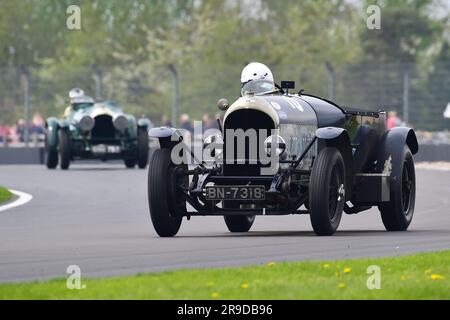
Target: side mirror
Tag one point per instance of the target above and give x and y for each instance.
(223, 104)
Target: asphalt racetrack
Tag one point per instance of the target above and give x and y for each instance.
(96, 216)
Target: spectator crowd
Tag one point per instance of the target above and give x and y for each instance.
(187, 124)
(13, 134)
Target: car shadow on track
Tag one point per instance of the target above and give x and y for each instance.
(100, 169)
(343, 233)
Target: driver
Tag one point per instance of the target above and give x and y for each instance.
(256, 71)
(76, 96)
(76, 93)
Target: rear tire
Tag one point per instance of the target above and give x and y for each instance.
(64, 149)
(327, 191)
(239, 223)
(165, 199)
(130, 163)
(142, 142)
(397, 214)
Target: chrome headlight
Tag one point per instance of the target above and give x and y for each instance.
(275, 142)
(120, 122)
(86, 123)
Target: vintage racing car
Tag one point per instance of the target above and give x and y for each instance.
(96, 130)
(326, 160)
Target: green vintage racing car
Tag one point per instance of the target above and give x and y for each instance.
(96, 130)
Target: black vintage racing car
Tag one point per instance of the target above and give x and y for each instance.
(330, 160)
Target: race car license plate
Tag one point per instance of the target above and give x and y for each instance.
(236, 193)
(103, 148)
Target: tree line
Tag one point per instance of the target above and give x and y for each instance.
(125, 48)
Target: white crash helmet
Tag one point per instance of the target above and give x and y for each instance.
(76, 93)
(256, 71)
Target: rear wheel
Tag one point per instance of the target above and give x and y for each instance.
(397, 214)
(64, 149)
(239, 223)
(166, 199)
(327, 191)
(142, 155)
(130, 163)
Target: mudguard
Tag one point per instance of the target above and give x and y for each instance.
(51, 124)
(365, 144)
(161, 132)
(330, 133)
(144, 123)
(339, 138)
(391, 147)
(132, 129)
(63, 123)
(168, 137)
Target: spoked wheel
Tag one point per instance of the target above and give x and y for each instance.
(407, 184)
(397, 214)
(327, 192)
(166, 199)
(336, 191)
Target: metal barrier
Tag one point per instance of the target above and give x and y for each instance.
(36, 155)
(433, 153)
(13, 155)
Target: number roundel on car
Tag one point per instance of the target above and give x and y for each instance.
(294, 103)
(291, 109)
(276, 105)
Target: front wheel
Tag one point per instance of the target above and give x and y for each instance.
(64, 149)
(142, 148)
(239, 223)
(51, 154)
(327, 191)
(166, 199)
(397, 214)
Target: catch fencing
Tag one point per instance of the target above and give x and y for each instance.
(419, 94)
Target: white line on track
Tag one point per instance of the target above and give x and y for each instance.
(23, 199)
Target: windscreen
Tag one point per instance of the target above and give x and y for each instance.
(258, 87)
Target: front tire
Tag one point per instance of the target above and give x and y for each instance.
(166, 201)
(327, 191)
(142, 142)
(397, 214)
(64, 149)
(239, 223)
(51, 154)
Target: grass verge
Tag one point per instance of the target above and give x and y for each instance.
(5, 195)
(421, 276)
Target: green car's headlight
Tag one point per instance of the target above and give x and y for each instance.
(120, 122)
(86, 123)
